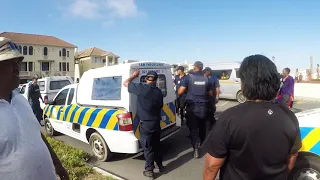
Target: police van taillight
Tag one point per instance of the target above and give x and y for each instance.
(45, 99)
(125, 122)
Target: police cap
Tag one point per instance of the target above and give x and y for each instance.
(152, 76)
(198, 64)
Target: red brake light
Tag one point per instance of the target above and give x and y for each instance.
(125, 122)
(45, 99)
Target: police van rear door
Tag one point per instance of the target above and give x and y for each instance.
(165, 84)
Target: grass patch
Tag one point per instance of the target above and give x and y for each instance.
(74, 161)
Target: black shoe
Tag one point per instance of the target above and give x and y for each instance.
(159, 169)
(148, 174)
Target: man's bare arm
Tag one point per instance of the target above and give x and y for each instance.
(212, 166)
(181, 90)
(292, 160)
(127, 81)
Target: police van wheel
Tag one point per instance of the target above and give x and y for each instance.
(99, 147)
(49, 129)
(306, 167)
(240, 97)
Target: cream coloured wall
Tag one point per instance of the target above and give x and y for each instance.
(53, 57)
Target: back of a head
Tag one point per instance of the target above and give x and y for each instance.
(198, 65)
(259, 78)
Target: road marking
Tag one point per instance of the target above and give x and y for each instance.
(300, 102)
(223, 104)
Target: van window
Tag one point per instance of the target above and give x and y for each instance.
(222, 74)
(54, 85)
(237, 73)
(107, 88)
(71, 94)
(41, 85)
(62, 97)
(161, 83)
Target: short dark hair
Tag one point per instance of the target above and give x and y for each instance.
(34, 78)
(259, 78)
(287, 70)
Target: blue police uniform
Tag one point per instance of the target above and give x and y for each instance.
(180, 101)
(34, 95)
(197, 98)
(212, 101)
(149, 105)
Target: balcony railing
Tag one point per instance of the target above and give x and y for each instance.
(41, 74)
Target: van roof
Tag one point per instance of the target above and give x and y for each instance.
(54, 77)
(71, 86)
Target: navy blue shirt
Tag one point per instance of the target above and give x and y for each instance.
(178, 81)
(149, 101)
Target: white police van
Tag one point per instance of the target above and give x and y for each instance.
(100, 111)
(307, 166)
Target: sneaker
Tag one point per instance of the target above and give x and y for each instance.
(196, 150)
(148, 174)
(159, 169)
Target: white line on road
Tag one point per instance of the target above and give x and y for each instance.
(223, 104)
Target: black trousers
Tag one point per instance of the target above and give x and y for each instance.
(196, 122)
(211, 111)
(150, 142)
(37, 111)
(181, 105)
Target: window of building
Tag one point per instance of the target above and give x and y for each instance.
(64, 52)
(20, 49)
(45, 51)
(71, 95)
(61, 98)
(222, 74)
(60, 53)
(30, 50)
(64, 66)
(25, 50)
(116, 60)
(67, 53)
(59, 84)
(23, 66)
(30, 66)
(107, 88)
(161, 83)
(104, 60)
(45, 66)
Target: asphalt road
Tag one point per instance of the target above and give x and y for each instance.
(177, 153)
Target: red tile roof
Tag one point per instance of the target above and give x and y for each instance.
(23, 38)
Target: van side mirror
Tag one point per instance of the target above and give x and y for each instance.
(51, 102)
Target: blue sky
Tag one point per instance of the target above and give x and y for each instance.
(177, 30)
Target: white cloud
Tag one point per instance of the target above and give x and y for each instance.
(103, 9)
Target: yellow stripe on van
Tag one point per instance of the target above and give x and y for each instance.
(113, 121)
(310, 140)
(99, 118)
(68, 116)
(87, 115)
(77, 115)
(169, 113)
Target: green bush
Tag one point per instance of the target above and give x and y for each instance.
(74, 161)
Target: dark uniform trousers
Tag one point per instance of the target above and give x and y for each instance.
(196, 122)
(180, 105)
(211, 111)
(150, 141)
(37, 111)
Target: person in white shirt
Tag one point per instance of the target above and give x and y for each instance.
(24, 151)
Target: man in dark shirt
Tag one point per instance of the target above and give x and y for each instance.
(199, 90)
(33, 98)
(179, 79)
(256, 140)
(149, 105)
(214, 99)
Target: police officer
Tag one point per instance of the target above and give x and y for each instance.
(214, 100)
(180, 101)
(149, 105)
(33, 98)
(199, 91)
